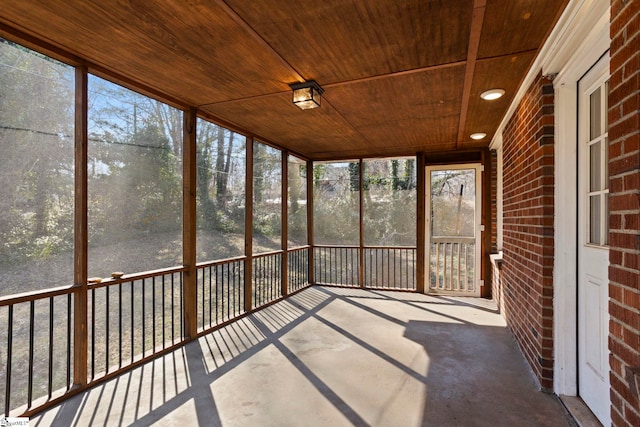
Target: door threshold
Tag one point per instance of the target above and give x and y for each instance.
(580, 411)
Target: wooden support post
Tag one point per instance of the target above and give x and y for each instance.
(81, 238)
(361, 224)
(189, 225)
(310, 234)
(248, 227)
(284, 240)
(421, 250)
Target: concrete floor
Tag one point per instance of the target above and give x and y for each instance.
(333, 357)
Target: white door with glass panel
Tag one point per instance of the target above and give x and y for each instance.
(593, 235)
(453, 230)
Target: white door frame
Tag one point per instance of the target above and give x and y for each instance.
(592, 42)
(477, 226)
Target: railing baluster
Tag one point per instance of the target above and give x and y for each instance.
(107, 329)
(7, 393)
(31, 337)
(413, 269)
(225, 281)
(201, 303)
(132, 323)
(269, 290)
(153, 314)
(68, 342)
(238, 279)
(403, 280)
(261, 280)
(460, 285)
(466, 258)
(228, 298)
(173, 314)
(106, 351)
(50, 378)
(144, 317)
(164, 291)
(93, 333)
(120, 325)
(325, 258)
(333, 262)
(180, 297)
(209, 270)
(218, 310)
(269, 274)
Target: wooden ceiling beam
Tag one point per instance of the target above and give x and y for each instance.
(351, 82)
(472, 55)
(245, 25)
(395, 74)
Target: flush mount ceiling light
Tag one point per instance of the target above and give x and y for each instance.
(478, 135)
(492, 94)
(307, 95)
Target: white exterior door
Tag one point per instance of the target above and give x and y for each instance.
(453, 229)
(593, 234)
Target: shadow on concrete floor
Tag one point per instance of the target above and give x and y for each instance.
(332, 357)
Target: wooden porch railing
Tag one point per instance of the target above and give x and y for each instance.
(384, 267)
(220, 292)
(267, 278)
(134, 318)
(37, 360)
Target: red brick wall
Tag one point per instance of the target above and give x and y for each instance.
(624, 204)
(528, 186)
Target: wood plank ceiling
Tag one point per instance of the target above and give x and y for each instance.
(401, 76)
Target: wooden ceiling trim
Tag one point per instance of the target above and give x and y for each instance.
(39, 45)
(26, 39)
(355, 128)
(472, 55)
(349, 82)
(246, 98)
(396, 74)
(245, 25)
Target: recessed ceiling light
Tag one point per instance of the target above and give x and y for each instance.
(492, 94)
(478, 135)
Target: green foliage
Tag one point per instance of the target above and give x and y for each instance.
(453, 202)
(336, 204)
(354, 177)
(135, 172)
(297, 211)
(36, 172)
(390, 203)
